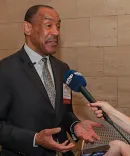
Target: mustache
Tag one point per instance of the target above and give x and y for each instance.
(52, 38)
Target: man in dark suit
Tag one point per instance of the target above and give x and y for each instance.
(35, 105)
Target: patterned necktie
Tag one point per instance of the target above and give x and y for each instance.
(48, 83)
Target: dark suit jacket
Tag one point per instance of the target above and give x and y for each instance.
(25, 107)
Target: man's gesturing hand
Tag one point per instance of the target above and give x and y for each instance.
(44, 138)
(84, 130)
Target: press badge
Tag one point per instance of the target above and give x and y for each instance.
(66, 94)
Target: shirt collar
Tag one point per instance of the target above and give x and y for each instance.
(34, 56)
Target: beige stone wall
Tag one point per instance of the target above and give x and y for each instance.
(95, 40)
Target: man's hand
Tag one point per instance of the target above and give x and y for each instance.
(84, 130)
(44, 138)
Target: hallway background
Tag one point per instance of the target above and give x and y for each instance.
(95, 40)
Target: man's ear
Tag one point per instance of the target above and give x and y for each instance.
(27, 28)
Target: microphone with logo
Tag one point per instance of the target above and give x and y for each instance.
(76, 82)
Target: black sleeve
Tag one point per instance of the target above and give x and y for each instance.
(69, 122)
(69, 117)
(11, 137)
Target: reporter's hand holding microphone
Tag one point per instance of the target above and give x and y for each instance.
(106, 107)
(117, 147)
(117, 117)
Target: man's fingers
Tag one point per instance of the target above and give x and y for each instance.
(92, 138)
(73, 145)
(87, 138)
(62, 147)
(95, 136)
(95, 124)
(52, 131)
(65, 143)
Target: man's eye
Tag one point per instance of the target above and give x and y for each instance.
(48, 25)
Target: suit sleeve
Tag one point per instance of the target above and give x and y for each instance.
(69, 118)
(11, 137)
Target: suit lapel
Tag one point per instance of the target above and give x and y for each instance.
(57, 80)
(31, 72)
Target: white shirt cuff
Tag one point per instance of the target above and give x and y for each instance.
(34, 145)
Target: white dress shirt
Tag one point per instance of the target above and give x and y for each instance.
(38, 63)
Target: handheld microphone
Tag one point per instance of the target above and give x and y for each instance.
(76, 82)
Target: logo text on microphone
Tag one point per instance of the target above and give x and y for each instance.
(69, 79)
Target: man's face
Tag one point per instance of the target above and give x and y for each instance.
(45, 31)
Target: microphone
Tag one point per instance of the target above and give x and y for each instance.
(76, 82)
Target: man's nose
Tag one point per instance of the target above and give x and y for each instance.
(55, 31)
